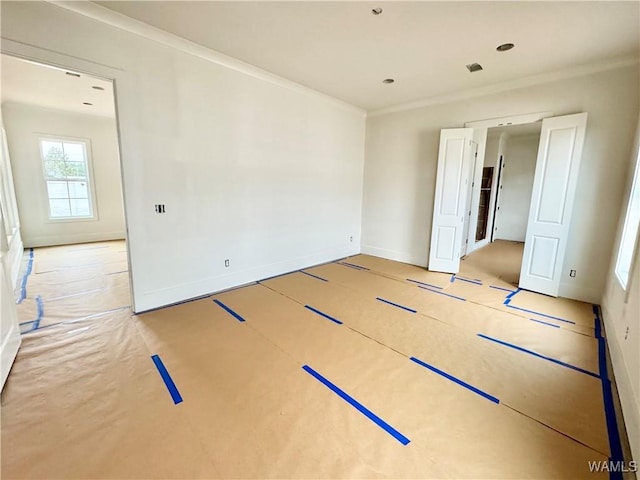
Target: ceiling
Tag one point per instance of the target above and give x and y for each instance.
(35, 84)
(343, 50)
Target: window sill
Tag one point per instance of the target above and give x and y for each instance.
(72, 219)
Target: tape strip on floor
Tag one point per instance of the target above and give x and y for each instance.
(168, 381)
(615, 444)
(535, 354)
(358, 406)
(228, 310)
(455, 380)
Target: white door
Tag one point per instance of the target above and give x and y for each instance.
(554, 187)
(464, 249)
(479, 137)
(449, 207)
(9, 330)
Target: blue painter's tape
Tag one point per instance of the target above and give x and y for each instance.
(396, 305)
(443, 293)
(35, 324)
(596, 319)
(314, 276)
(228, 310)
(23, 285)
(425, 284)
(540, 314)
(502, 288)
(475, 282)
(535, 354)
(545, 323)
(358, 406)
(615, 445)
(456, 380)
(453, 278)
(510, 296)
(347, 264)
(168, 381)
(328, 317)
(40, 306)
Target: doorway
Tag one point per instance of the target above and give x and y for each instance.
(504, 196)
(63, 146)
(546, 229)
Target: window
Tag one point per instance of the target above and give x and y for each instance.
(630, 230)
(66, 172)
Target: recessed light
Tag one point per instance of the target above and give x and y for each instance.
(71, 74)
(376, 11)
(505, 46)
(388, 80)
(95, 87)
(474, 67)
(87, 103)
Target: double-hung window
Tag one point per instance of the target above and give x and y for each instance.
(629, 230)
(66, 172)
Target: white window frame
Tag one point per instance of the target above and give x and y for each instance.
(90, 184)
(628, 240)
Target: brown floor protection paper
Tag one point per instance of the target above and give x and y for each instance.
(521, 381)
(84, 399)
(73, 282)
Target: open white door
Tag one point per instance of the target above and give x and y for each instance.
(449, 207)
(10, 337)
(554, 187)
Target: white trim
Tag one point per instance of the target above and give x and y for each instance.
(203, 287)
(86, 146)
(628, 398)
(118, 20)
(52, 240)
(626, 283)
(511, 85)
(510, 120)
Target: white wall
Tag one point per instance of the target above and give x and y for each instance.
(402, 151)
(517, 184)
(253, 169)
(621, 312)
(24, 125)
(491, 150)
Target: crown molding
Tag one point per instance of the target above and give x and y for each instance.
(549, 77)
(136, 27)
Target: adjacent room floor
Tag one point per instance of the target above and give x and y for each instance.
(360, 368)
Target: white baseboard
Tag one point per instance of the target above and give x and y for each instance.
(403, 257)
(630, 403)
(51, 240)
(179, 293)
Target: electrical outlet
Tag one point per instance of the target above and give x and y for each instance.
(226, 263)
(572, 273)
(626, 333)
(159, 207)
(351, 239)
